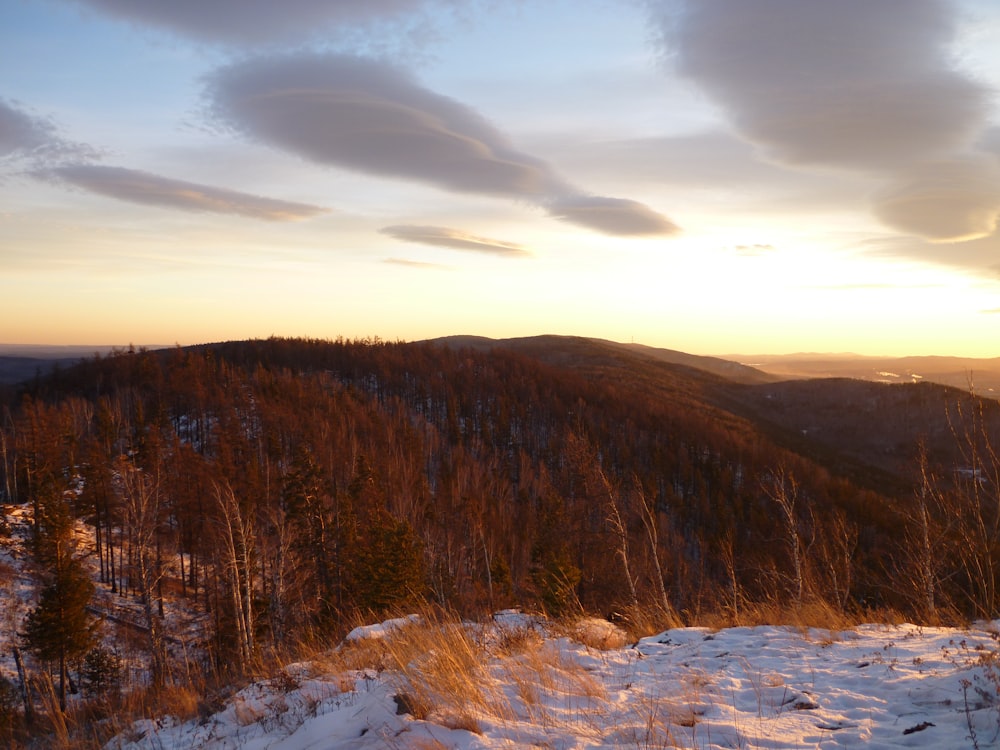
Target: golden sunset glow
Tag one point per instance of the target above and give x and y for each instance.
(413, 169)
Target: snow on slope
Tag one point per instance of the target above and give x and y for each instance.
(760, 687)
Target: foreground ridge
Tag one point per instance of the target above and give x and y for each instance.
(552, 686)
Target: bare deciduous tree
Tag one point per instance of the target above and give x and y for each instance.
(649, 522)
(236, 529)
(783, 489)
(976, 506)
(140, 493)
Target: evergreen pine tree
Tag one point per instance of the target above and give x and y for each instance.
(311, 515)
(101, 672)
(60, 629)
(553, 572)
(389, 565)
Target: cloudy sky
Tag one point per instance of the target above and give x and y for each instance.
(715, 176)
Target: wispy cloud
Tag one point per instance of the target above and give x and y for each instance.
(36, 145)
(369, 116)
(22, 133)
(454, 239)
(414, 264)
(136, 186)
(35, 140)
(854, 85)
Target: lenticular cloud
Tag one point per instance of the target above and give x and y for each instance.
(856, 85)
(950, 200)
(136, 186)
(369, 116)
(614, 216)
(372, 117)
(454, 239)
(851, 83)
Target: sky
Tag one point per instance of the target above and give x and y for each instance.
(713, 176)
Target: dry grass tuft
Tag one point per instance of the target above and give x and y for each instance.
(597, 633)
(547, 668)
(183, 702)
(512, 640)
(438, 670)
(360, 655)
(641, 622)
(89, 724)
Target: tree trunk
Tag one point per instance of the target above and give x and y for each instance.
(22, 676)
(618, 526)
(783, 490)
(62, 681)
(237, 535)
(652, 534)
(142, 512)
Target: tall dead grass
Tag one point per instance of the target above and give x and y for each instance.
(89, 724)
(450, 672)
(438, 668)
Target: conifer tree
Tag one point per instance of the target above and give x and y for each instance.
(388, 566)
(553, 572)
(309, 514)
(60, 629)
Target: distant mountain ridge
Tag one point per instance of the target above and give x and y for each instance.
(981, 375)
(21, 362)
(966, 373)
(560, 353)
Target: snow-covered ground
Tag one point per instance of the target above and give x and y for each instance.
(123, 631)
(874, 686)
(762, 687)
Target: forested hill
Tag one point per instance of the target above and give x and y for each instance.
(870, 432)
(287, 485)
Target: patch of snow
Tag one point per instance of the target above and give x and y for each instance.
(381, 630)
(750, 687)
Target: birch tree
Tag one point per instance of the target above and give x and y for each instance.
(236, 532)
(140, 493)
(781, 487)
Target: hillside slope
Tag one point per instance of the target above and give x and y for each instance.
(276, 492)
(869, 432)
